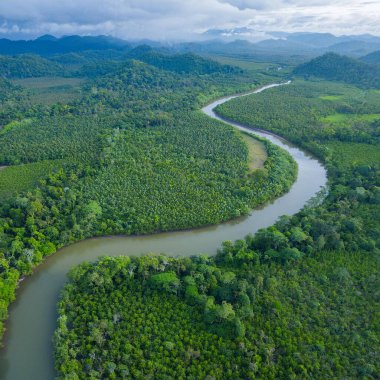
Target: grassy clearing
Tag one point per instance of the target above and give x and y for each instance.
(258, 68)
(340, 118)
(257, 153)
(242, 63)
(331, 97)
(52, 90)
(14, 179)
(48, 82)
(15, 124)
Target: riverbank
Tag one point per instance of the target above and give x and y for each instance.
(33, 316)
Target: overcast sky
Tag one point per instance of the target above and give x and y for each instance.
(184, 19)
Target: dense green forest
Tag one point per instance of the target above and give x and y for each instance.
(240, 315)
(95, 63)
(335, 67)
(26, 66)
(297, 300)
(49, 45)
(130, 154)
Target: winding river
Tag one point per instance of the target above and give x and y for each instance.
(32, 318)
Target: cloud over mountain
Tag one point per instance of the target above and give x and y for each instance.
(176, 19)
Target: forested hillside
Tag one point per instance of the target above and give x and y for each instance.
(335, 67)
(180, 63)
(26, 66)
(372, 58)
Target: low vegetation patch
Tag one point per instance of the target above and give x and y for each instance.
(257, 154)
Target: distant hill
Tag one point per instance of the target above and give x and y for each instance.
(299, 43)
(284, 46)
(287, 48)
(335, 67)
(88, 56)
(245, 50)
(180, 63)
(355, 48)
(28, 66)
(372, 58)
(49, 45)
(96, 63)
(316, 40)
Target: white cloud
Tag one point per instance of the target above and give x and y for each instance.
(178, 19)
(253, 4)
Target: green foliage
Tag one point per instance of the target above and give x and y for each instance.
(298, 300)
(181, 63)
(138, 328)
(273, 320)
(27, 66)
(50, 138)
(350, 152)
(357, 154)
(13, 102)
(372, 58)
(167, 282)
(302, 112)
(148, 194)
(17, 179)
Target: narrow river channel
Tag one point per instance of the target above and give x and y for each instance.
(28, 352)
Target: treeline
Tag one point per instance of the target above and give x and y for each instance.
(95, 63)
(180, 63)
(28, 66)
(335, 67)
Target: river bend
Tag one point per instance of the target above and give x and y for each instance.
(32, 317)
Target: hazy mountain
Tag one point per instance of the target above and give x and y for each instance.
(245, 50)
(49, 45)
(284, 46)
(238, 42)
(315, 40)
(242, 33)
(372, 58)
(355, 48)
(299, 43)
